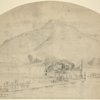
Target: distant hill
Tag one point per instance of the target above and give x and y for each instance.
(54, 38)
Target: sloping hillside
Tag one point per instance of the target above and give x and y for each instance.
(54, 38)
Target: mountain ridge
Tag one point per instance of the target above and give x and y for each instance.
(53, 35)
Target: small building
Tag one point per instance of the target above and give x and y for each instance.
(63, 69)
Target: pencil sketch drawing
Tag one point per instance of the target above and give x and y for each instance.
(50, 50)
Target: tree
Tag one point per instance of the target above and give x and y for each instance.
(30, 57)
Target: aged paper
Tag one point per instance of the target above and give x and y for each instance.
(50, 50)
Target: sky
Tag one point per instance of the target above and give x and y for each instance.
(6, 5)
